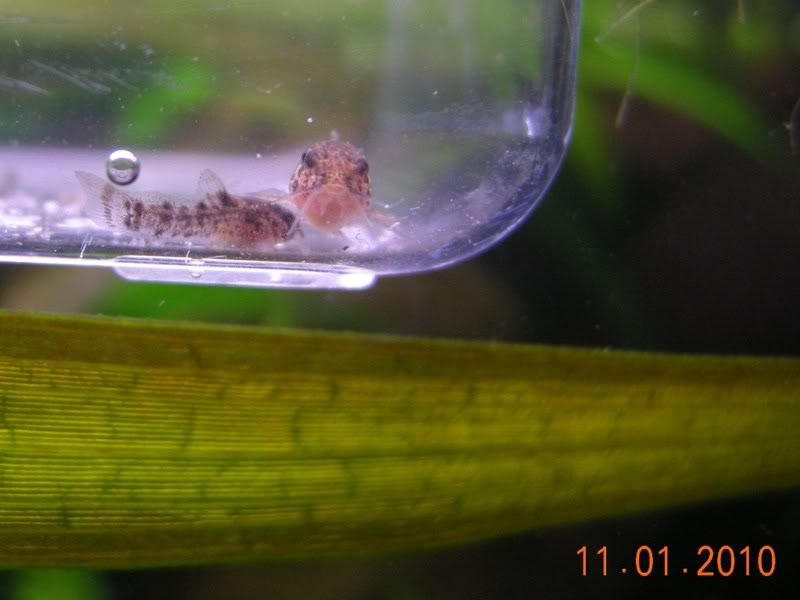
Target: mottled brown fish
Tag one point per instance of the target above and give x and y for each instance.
(217, 215)
(331, 185)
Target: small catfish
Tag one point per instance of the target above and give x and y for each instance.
(216, 215)
(331, 185)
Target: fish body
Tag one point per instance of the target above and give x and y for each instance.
(329, 189)
(217, 215)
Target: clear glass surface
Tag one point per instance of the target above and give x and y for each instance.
(434, 128)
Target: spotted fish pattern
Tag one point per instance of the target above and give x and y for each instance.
(239, 221)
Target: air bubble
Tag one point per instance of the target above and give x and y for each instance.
(122, 167)
(196, 267)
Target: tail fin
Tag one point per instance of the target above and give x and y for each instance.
(105, 204)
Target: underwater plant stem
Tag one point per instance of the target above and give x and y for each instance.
(622, 111)
(635, 9)
(126, 443)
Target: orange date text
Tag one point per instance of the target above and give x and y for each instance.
(709, 561)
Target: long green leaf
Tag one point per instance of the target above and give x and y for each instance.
(126, 443)
(688, 90)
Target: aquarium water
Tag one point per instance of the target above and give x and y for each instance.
(288, 144)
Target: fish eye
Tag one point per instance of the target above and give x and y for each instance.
(362, 166)
(308, 159)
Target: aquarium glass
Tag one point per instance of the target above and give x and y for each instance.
(290, 144)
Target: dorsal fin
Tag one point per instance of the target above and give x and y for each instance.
(212, 190)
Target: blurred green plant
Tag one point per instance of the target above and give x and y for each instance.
(55, 584)
(153, 114)
(667, 56)
(198, 303)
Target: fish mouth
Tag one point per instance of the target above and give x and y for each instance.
(332, 192)
(330, 206)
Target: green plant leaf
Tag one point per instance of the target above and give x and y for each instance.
(126, 443)
(686, 89)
